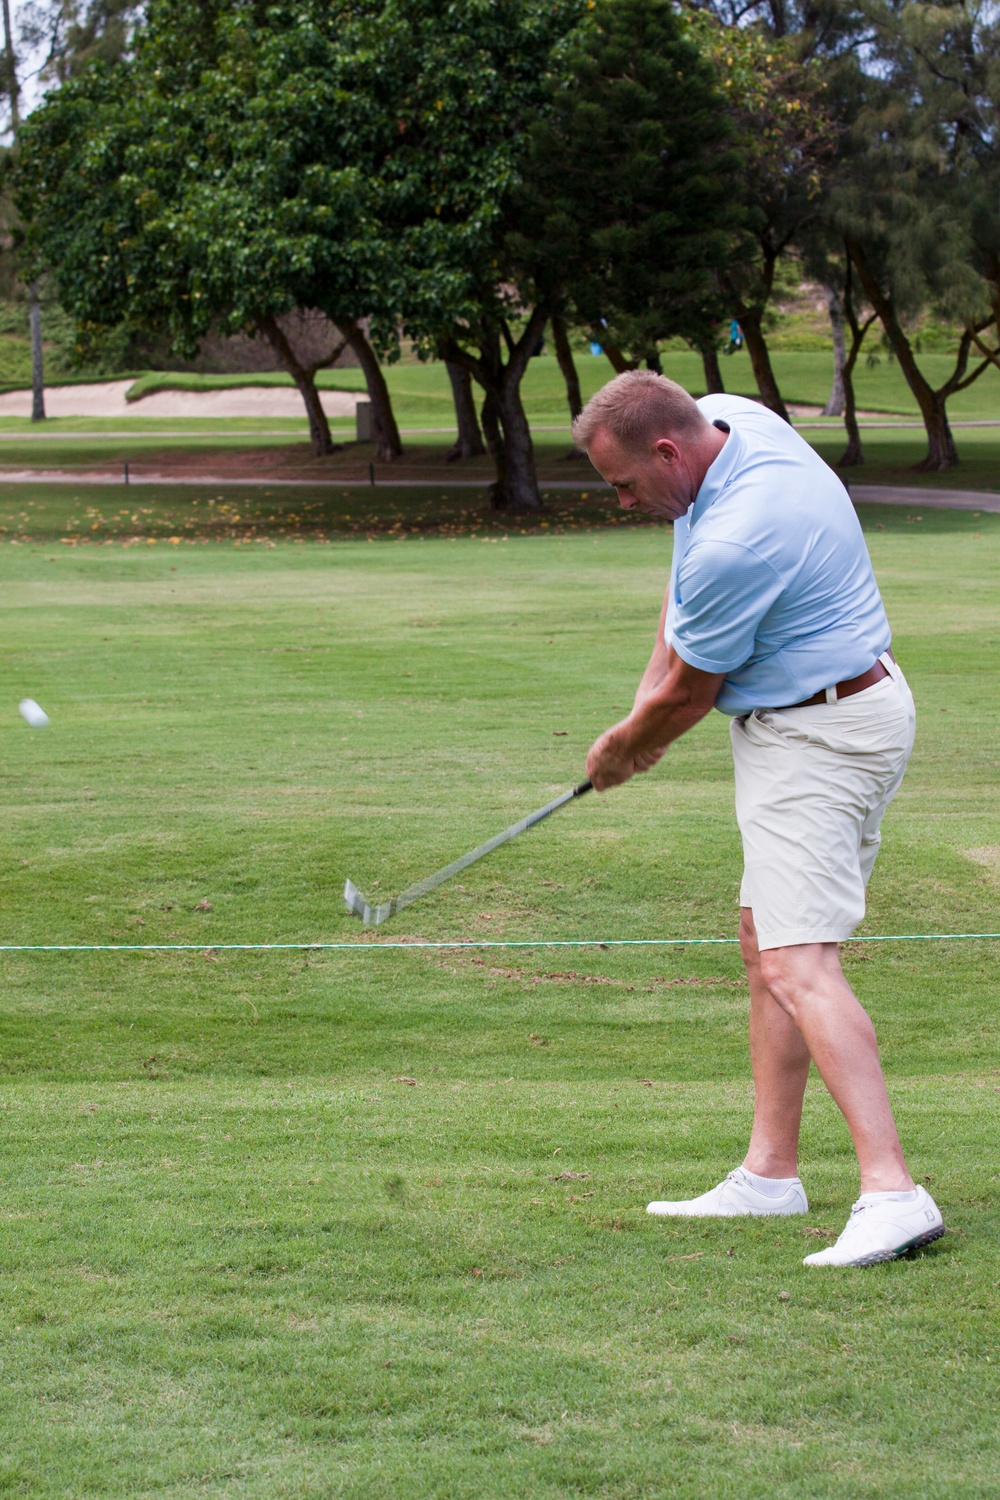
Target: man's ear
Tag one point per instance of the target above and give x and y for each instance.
(666, 449)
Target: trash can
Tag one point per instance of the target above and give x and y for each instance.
(363, 418)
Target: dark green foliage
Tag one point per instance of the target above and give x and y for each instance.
(632, 187)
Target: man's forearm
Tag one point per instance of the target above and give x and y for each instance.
(672, 698)
(659, 663)
(657, 719)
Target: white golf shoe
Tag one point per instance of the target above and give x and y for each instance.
(735, 1198)
(883, 1226)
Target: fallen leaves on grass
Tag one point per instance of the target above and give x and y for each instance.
(573, 976)
(572, 1177)
(401, 1078)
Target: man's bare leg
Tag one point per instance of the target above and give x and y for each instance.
(780, 1060)
(808, 984)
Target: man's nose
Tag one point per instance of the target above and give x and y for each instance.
(625, 500)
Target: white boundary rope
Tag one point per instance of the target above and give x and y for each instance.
(900, 937)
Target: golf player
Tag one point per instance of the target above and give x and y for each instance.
(773, 616)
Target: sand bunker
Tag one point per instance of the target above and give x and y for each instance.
(107, 399)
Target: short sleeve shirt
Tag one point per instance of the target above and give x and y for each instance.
(771, 582)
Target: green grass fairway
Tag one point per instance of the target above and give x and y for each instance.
(371, 1223)
(422, 392)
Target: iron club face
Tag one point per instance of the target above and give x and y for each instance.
(371, 916)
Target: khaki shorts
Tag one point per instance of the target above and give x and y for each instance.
(812, 785)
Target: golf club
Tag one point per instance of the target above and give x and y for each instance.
(374, 916)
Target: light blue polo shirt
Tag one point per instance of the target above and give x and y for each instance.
(771, 582)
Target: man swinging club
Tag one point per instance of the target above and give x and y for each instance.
(773, 616)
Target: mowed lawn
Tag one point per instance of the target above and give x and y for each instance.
(371, 1223)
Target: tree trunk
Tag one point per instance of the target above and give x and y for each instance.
(388, 444)
(470, 440)
(714, 383)
(504, 420)
(320, 437)
(10, 69)
(853, 454)
(494, 443)
(835, 402)
(760, 362)
(564, 354)
(570, 374)
(519, 489)
(941, 450)
(37, 358)
(618, 361)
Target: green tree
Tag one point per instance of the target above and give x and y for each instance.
(199, 184)
(775, 101)
(633, 185)
(920, 211)
(447, 97)
(69, 34)
(613, 190)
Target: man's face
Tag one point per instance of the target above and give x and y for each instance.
(659, 481)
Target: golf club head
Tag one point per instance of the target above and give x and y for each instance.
(356, 903)
(371, 916)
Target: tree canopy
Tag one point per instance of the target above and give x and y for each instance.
(463, 175)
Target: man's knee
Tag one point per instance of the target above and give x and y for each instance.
(778, 973)
(794, 975)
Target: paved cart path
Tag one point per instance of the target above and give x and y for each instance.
(863, 494)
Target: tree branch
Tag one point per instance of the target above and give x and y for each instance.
(955, 381)
(331, 358)
(962, 384)
(992, 355)
(450, 349)
(522, 351)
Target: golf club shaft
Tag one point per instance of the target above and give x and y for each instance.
(429, 882)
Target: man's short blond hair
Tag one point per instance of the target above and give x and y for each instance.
(637, 408)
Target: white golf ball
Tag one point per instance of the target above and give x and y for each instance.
(36, 717)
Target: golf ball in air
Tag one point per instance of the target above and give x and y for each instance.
(36, 717)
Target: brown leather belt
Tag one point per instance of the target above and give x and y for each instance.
(850, 687)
